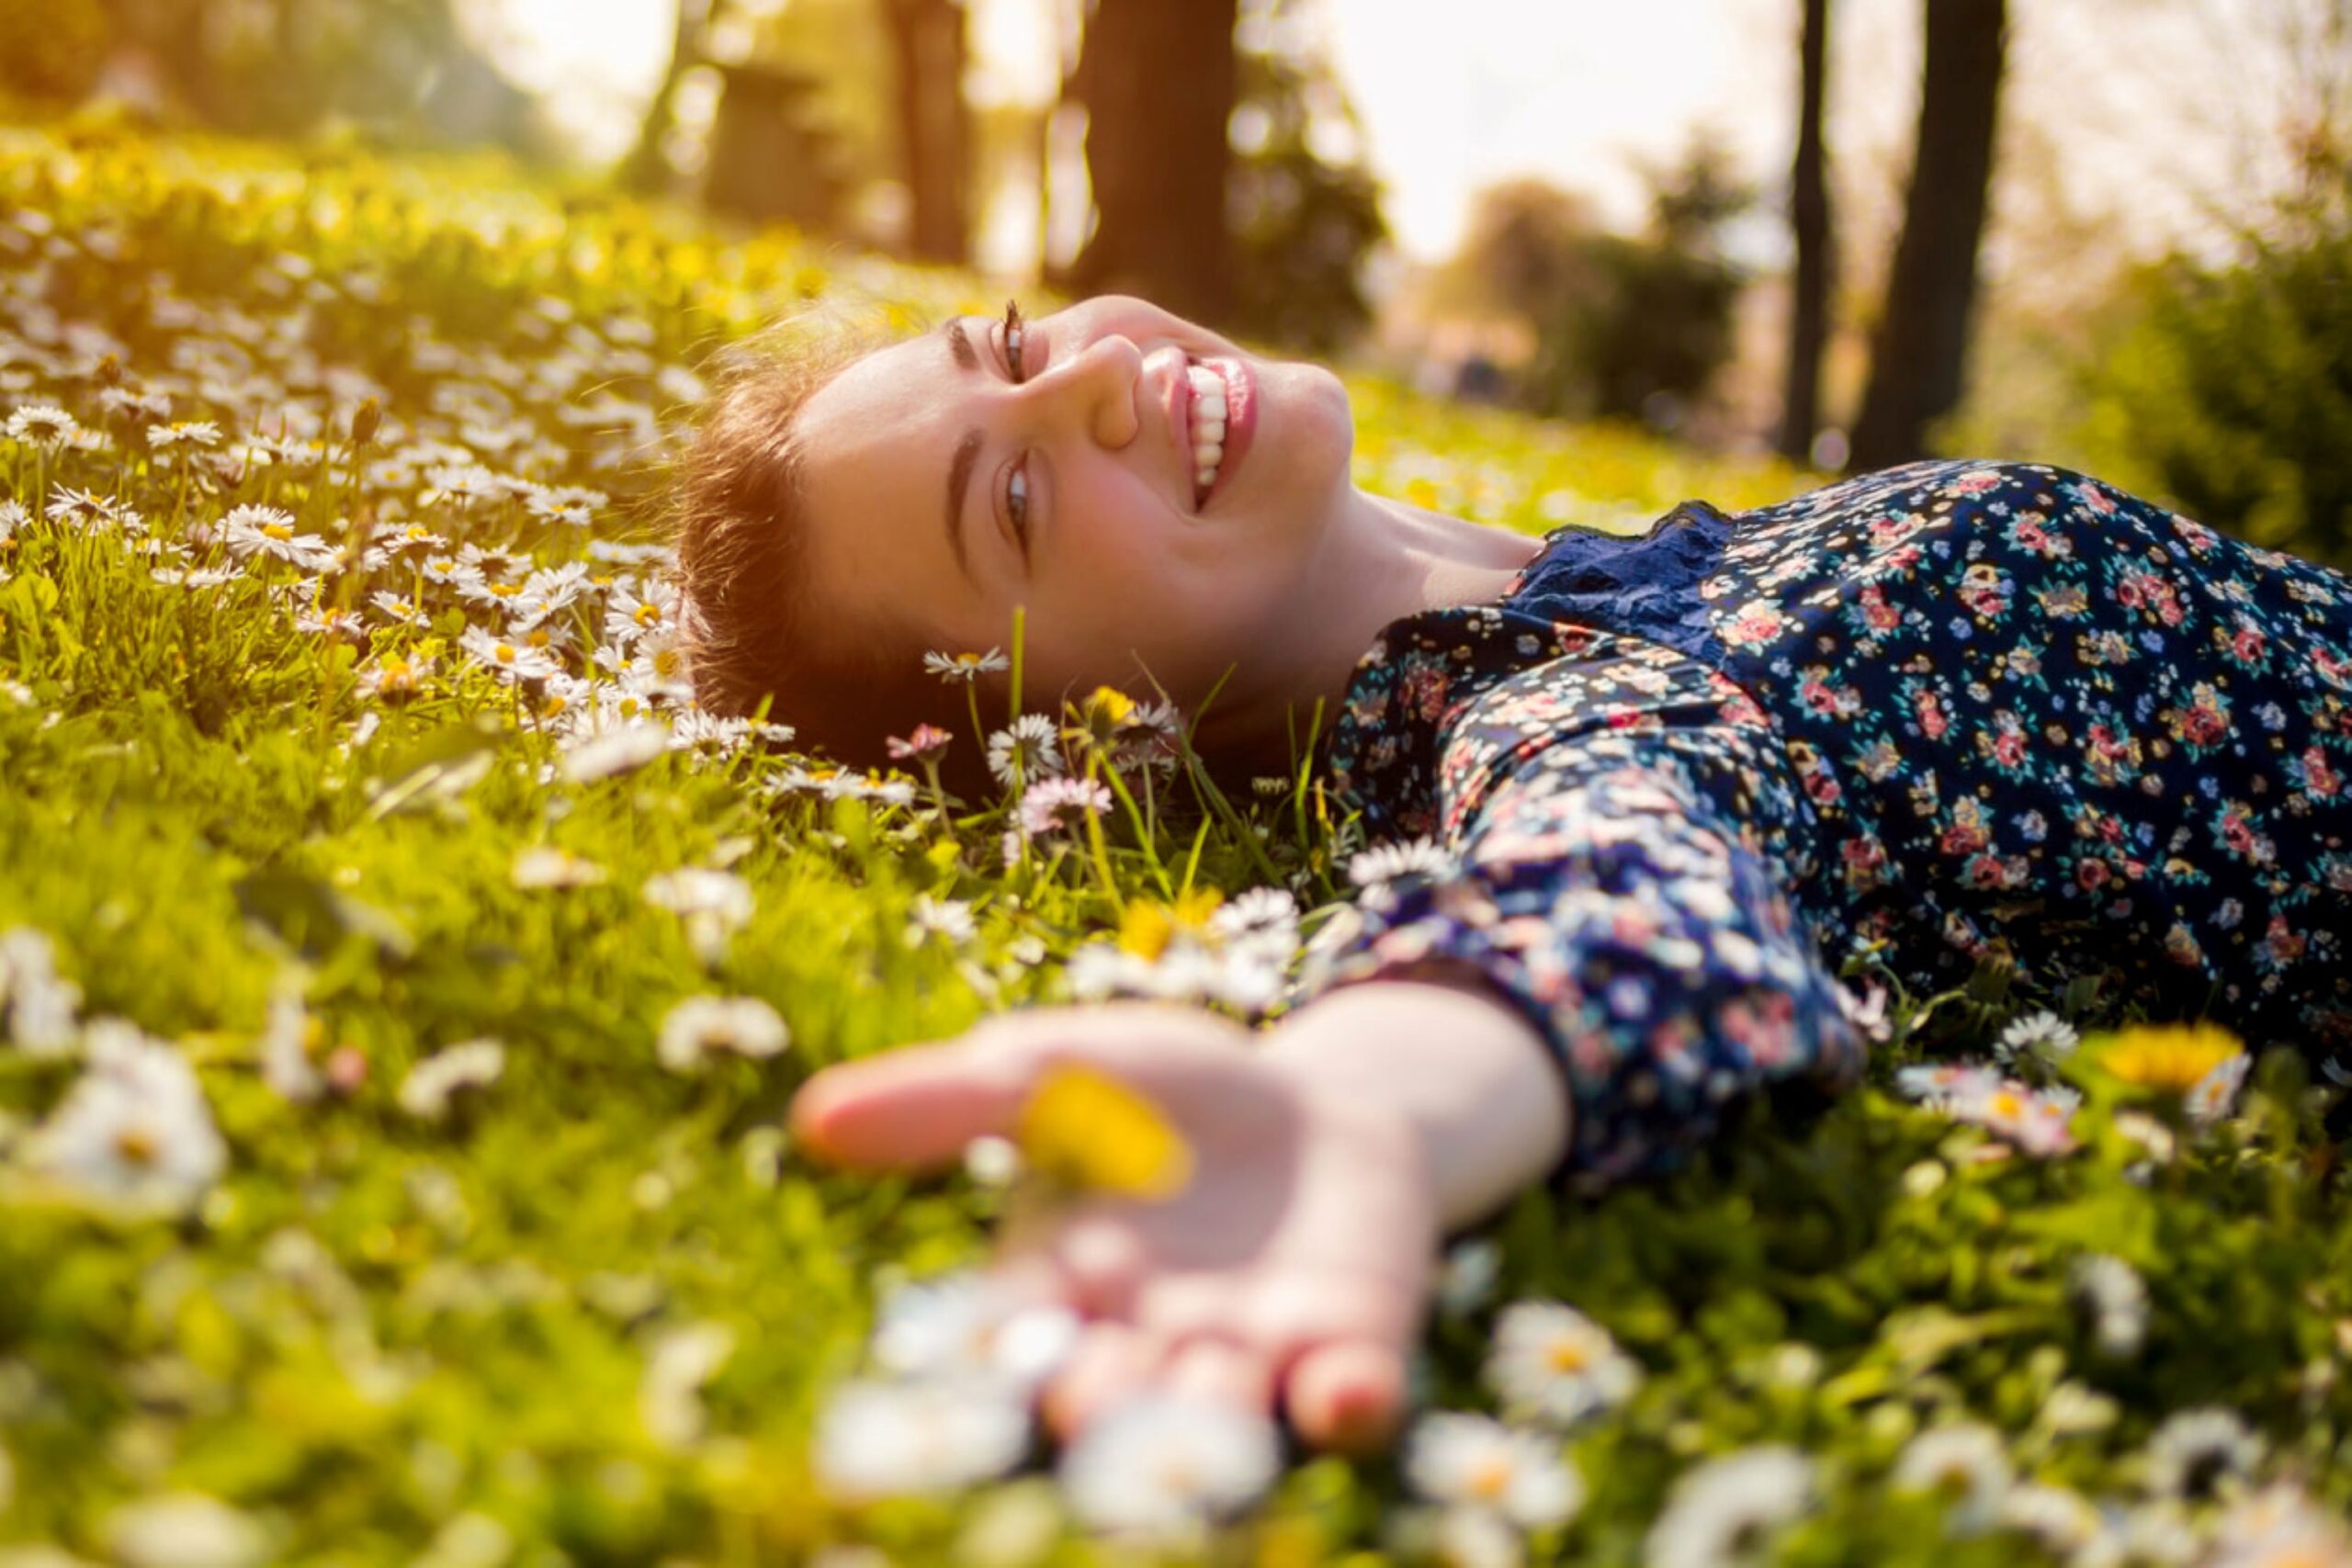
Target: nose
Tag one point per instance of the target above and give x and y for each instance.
(1096, 387)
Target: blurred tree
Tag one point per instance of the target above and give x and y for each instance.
(401, 69)
(1648, 334)
(2232, 393)
(1157, 79)
(1525, 248)
(2230, 388)
(1809, 218)
(934, 128)
(647, 169)
(1918, 355)
(52, 52)
(1624, 327)
(1303, 207)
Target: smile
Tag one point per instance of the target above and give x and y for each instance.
(1222, 414)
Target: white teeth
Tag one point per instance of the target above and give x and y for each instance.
(1208, 424)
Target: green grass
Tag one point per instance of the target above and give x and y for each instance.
(374, 1324)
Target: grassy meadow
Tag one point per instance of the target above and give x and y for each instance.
(402, 985)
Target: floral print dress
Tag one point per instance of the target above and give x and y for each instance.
(1661, 790)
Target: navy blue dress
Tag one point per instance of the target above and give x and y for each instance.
(1669, 785)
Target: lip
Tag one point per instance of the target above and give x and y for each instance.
(1240, 421)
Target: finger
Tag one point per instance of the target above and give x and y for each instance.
(917, 1106)
(1221, 1372)
(1113, 1362)
(1345, 1394)
(1102, 1263)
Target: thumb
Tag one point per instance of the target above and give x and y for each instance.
(916, 1106)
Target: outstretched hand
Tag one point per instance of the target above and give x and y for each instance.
(1288, 1275)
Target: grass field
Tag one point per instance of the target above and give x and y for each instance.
(365, 1196)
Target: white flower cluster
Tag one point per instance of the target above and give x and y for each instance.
(1239, 956)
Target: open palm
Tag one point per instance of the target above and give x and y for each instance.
(1289, 1272)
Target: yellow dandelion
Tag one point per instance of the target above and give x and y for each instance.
(1145, 928)
(1084, 1129)
(2172, 1057)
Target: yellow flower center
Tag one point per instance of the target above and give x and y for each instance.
(278, 530)
(1490, 1480)
(647, 615)
(506, 654)
(1567, 1356)
(138, 1146)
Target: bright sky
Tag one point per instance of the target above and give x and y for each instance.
(1458, 94)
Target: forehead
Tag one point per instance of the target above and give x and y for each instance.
(873, 448)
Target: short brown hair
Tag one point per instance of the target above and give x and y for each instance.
(753, 634)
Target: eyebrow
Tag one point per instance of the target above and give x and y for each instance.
(968, 453)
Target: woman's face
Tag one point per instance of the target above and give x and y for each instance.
(945, 485)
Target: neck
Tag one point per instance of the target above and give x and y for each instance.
(1384, 560)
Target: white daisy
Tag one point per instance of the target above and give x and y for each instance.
(715, 905)
(2197, 1452)
(43, 425)
(195, 433)
(1721, 1508)
(135, 1129)
(2065, 1522)
(1550, 1362)
(41, 1005)
(288, 1040)
(546, 866)
(395, 678)
(1476, 1461)
(966, 667)
(1454, 1536)
(2114, 1298)
(699, 1025)
(611, 752)
(1057, 803)
(881, 1439)
(435, 1082)
(652, 607)
(1163, 1468)
(947, 919)
(966, 1324)
(508, 660)
(669, 1397)
(184, 1529)
(267, 531)
(2044, 1037)
(1029, 748)
(1966, 1463)
(1386, 862)
(2210, 1097)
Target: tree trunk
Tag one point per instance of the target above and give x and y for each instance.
(646, 170)
(1816, 256)
(934, 128)
(1157, 79)
(1920, 349)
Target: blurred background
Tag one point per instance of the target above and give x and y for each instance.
(2113, 233)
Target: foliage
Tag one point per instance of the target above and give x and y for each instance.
(1625, 327)
(577, 1299)
(52, 51)
(2230, 388)
(1303, 222)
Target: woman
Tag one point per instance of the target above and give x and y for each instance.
(1937, 713)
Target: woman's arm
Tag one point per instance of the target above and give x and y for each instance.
(1624, 893)
(1466, 1068)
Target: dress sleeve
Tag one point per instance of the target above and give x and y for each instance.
(1625, 890)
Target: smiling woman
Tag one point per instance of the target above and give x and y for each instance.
(1162, 504)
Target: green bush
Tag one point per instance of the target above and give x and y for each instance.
(2231, 391)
